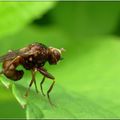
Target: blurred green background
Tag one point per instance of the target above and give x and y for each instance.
(88, 79)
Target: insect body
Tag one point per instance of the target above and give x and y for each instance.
(33, 57)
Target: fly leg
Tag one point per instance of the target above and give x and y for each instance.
(35, 85)
(49, 90)
(48, 75)
(31, 82)
(41, 83)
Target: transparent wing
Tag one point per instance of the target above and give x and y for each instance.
(9, 55)
(13, 54)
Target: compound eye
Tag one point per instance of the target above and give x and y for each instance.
(57, 54)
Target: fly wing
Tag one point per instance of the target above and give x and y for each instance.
(9, 55)
(24, 52)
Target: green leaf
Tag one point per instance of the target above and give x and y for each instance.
(5, 83)
(95, 73)
(33, 111)
(20, 98)
(16, 15)
(67, 105)
(87, 80)
(86, 76)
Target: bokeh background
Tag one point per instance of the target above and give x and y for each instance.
(88, 79)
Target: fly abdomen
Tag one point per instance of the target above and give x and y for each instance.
(9, 70)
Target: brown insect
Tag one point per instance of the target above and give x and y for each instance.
(33, 57)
